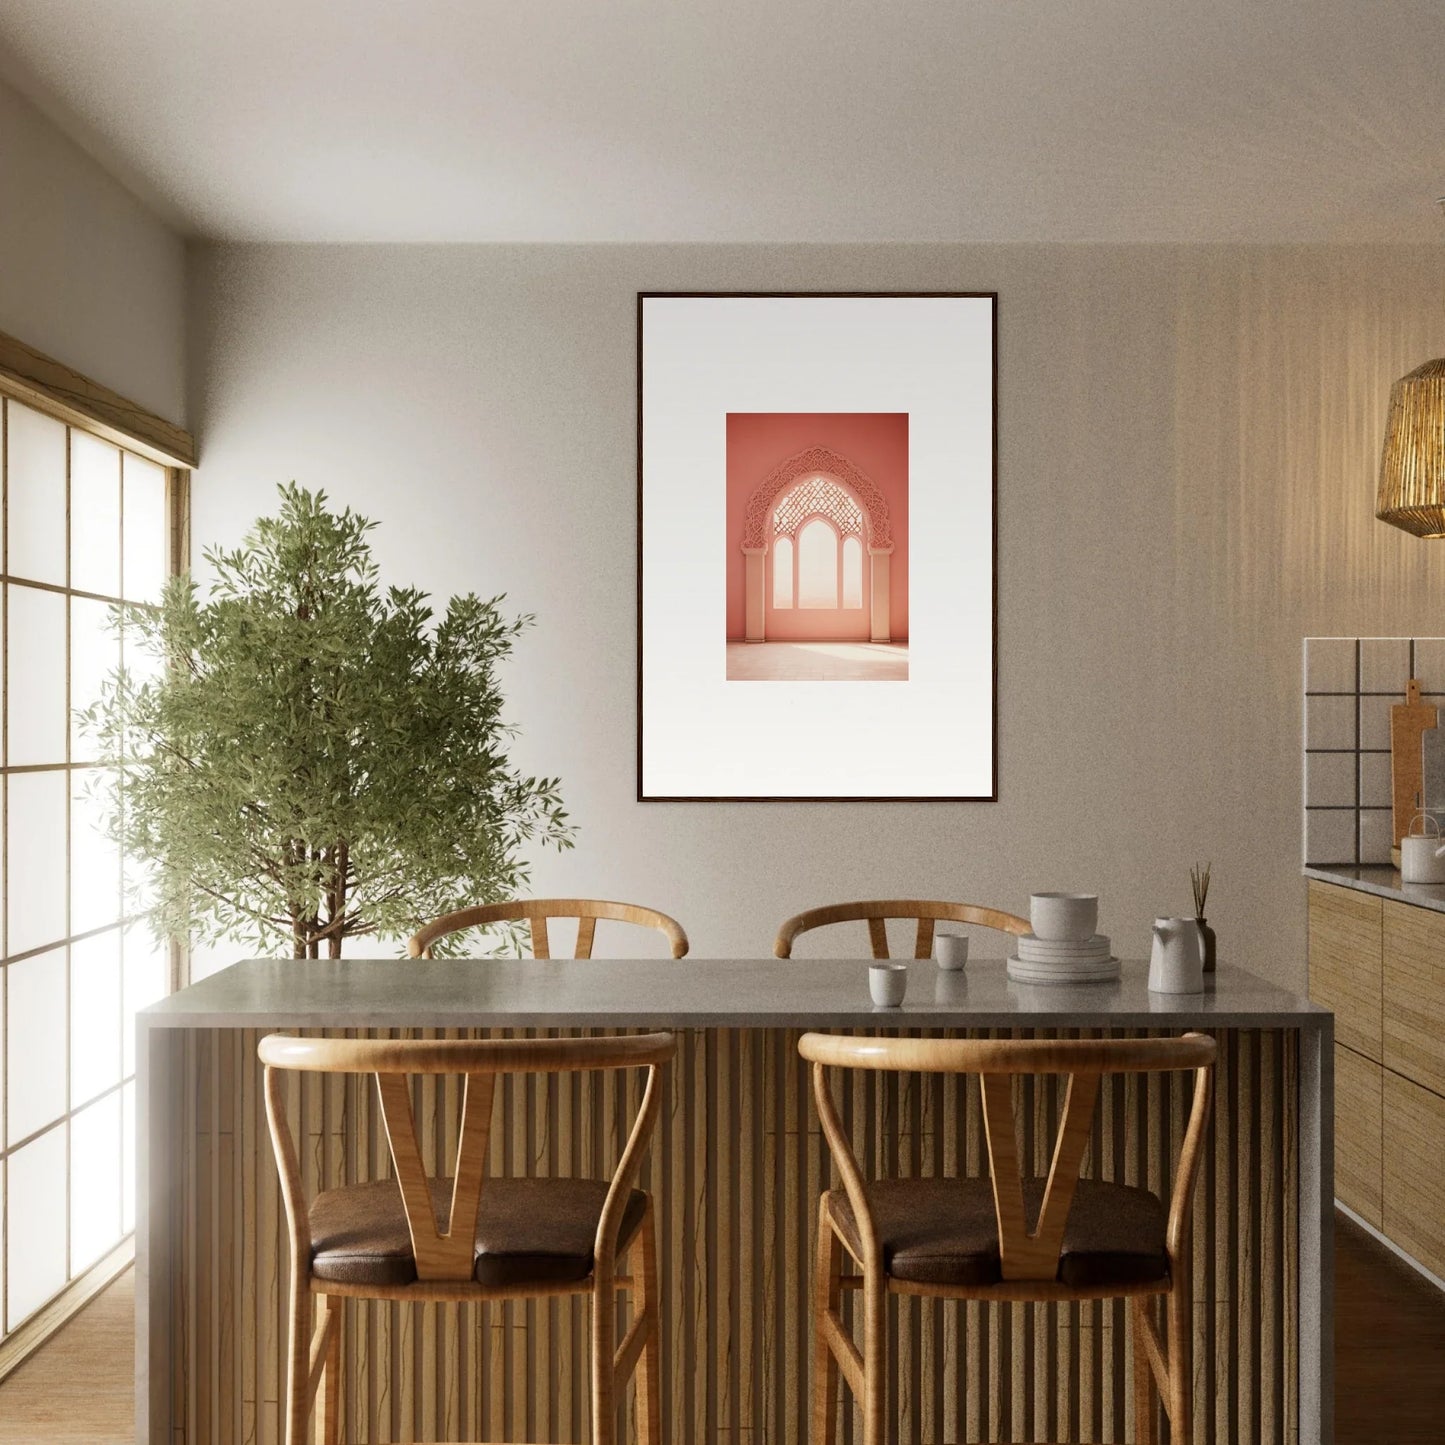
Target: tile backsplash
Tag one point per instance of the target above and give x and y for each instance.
(1350, 685)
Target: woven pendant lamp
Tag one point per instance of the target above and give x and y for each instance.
(1412, 469)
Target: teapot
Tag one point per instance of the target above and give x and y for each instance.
(1422, 854)
(1176, 964)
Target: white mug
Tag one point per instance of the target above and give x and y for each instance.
(888, 982)
(950, 950)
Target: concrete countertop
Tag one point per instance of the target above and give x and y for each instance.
(1381, 880)
(698, 993)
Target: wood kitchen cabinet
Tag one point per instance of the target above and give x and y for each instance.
(1379, 964)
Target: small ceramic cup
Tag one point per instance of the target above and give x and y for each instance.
(888, 982)
(950, 950)
(1064, 916)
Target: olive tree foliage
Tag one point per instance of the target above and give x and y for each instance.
(305, 757)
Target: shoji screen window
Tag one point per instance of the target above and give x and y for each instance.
(86, 524)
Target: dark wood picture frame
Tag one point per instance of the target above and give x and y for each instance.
(992, 795)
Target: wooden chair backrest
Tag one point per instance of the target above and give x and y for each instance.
(536, 912)
(445, 1251)
(877, 912)
(1026, 1252)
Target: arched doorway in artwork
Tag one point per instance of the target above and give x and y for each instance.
(817, 543)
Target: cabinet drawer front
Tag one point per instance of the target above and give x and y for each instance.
(1414, 1004)
(1345, 963)
(1415, 1171)
(1359, 1126)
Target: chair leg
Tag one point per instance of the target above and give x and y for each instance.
(648, 1303)
(298, 1363)
(827, 1297)
(875, 1347)
(1179, 1308)
(604, 1346)
(329, 1397)
(1146, 1417)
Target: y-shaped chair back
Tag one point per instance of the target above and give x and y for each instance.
(536, 912)
(877, 912)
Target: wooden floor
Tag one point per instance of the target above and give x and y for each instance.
(1389, 1361)
(79, 1389)
(1389, 1347)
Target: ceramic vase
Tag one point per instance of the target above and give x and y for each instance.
(1207, 933)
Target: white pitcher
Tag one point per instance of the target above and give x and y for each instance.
(1176, 964)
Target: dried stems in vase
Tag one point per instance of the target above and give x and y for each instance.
(1199, 881)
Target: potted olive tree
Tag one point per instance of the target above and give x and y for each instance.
(309, 757)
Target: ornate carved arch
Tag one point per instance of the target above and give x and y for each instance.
(826, 461)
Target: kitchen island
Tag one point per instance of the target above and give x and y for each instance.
(736, 1165)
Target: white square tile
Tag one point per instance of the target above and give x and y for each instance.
(1330, 780)
(1330, 836)
(1375, 790)
(1384, 664)
(1430, 663)
(1375, 721)
(1329, 664)
(1377, 835)
(1329, 722)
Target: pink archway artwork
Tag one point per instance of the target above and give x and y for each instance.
(820, 464)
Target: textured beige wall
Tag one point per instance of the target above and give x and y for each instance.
(1188, 438)
(87, 273)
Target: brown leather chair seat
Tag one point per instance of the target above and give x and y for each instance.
(529, 1231)
(945, 1232)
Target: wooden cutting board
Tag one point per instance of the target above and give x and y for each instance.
(1409, 721)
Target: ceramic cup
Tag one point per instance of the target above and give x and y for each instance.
(1064, 916)
(888, 982)
(950, 950)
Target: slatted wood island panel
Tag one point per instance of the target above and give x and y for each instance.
(736, 1166)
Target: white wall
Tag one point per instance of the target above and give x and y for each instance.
(87, 274)
(1188, 442)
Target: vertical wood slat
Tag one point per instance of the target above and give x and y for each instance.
(736, 1166)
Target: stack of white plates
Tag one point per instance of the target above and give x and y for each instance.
(1047, 960)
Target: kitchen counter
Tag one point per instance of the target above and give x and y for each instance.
(1383, 881)
(698, 993)
(736, 1165)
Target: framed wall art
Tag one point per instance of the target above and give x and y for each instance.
(816, 546)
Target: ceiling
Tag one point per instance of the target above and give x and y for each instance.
(754, 120)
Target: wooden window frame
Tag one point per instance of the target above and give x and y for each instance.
(33, 379)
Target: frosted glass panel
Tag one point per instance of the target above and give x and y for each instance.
(35, 1030)
(147, 972)
(144, 567)
(94, 655)
(94, 515)
(852, 572)
(35, 1244)
(783, 572)
(35, 504)
(142, 664)
(35, 623)
(95, 1018)
(127, 1158)
(94, 1182)
(94, 859)
(35, 839)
